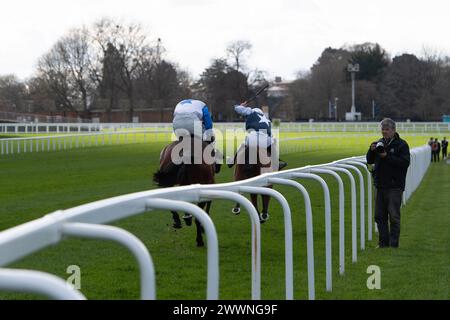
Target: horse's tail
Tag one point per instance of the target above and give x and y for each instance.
(167, 176)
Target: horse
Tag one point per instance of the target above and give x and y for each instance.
(183, 174)
(244, 169)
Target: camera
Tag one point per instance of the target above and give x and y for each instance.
(380, 147)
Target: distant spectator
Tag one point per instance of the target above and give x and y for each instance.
(436, 150)
(444, 145)
(430, 143)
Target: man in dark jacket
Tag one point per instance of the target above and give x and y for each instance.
(390, 156)
(444, 144)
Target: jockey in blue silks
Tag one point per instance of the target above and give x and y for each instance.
(192, 117)
(259, 129)
(190, 112)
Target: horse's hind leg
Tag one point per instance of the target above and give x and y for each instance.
(265, 210)
(187, 219)
(176, 220)
(206, 206)
(199, 238)
(254, 199)
(236, 209)
(200, 229)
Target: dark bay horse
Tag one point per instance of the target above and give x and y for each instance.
(183, 174)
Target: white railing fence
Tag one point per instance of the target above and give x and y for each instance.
(39, 128)
(68, 141)
(88, 221)
(74, 141)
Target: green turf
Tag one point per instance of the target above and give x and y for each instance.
(32, 185)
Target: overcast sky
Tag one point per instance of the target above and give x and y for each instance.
(287, 35)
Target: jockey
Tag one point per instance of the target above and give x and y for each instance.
(188, 113)
(259, 129)
(193, 117)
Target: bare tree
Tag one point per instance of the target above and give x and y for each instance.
(236, 51)
(75, 53)
(65, 68)
(132, 49)
(52, 69)
(327, 81)
(12, 92)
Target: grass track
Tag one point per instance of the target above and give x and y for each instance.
(32, 185)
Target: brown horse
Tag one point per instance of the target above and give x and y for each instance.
(186, 173)
(245, 169)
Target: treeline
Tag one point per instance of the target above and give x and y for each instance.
(404, 87)
(112, 65)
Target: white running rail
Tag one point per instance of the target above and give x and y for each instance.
(88, 221)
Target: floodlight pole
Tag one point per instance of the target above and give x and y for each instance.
(335, 109)
(353, 68)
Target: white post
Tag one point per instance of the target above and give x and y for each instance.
(128, 240)
(328, 257)
(256, 233)
(289, 265)
(362, 164)
(37, 282)
(309, 231)
(341, 168)
(211, 237)
(361, 192)
(341, 215)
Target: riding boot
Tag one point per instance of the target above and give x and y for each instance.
(235, 158)
(282, 164)
(231, 164)
(217, 154)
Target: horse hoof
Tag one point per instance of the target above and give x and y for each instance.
(200, 244)
(236, 210)
(188, 219)
(263, 217)
(177, 225)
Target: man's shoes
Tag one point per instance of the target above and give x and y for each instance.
(381, 247)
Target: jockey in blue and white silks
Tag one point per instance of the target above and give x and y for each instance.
(259, 128)
(191, 113)
(192, 118)
(259, 134)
